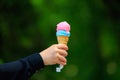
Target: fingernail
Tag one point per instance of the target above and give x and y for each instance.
(65, 63)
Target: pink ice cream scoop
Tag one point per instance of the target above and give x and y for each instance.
(63, 26)
(63, 29)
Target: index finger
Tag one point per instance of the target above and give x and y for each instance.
(62, 46)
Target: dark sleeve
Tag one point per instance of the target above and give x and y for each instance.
(21, 69)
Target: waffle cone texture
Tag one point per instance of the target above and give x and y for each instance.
(63, 39)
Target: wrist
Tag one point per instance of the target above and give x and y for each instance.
(43, 58)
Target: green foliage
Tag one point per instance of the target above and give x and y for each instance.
(28, 26)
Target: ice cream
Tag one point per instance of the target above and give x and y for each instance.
(63, 34)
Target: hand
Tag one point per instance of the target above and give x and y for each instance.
(55, 54)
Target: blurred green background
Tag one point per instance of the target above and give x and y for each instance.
(28, 26)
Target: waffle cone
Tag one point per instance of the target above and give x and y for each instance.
(62, 39)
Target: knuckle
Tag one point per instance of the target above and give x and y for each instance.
(56, 50)
(54, 45)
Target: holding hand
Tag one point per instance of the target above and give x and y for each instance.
(55, 54)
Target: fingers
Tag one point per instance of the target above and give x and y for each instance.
(61, 60)
(62, 46)
(61, 49)
(62, 52)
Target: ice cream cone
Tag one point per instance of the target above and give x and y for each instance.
(62, 39)
(63, 33)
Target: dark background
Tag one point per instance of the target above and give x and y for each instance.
(29, 26)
